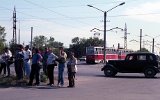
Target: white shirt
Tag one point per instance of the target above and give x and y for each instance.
(5, 56)
(27, 54)
(9, 54)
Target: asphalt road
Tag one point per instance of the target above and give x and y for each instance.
(91, 85)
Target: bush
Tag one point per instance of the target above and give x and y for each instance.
(43, 77)
(12, 81)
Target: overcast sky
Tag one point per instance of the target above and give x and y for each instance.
(66, 19)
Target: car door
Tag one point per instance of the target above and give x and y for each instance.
(140, 63)
(129, 63)
(132, 62)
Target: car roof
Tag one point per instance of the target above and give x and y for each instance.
(139, 53)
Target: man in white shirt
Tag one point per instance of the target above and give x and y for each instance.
(8, 57)
(27, 57)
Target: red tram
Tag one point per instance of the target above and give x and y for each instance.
(95, 54)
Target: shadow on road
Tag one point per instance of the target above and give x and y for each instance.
(135, 77)
(127, 77)
(33, 87)
(42, 87)
(83, 63)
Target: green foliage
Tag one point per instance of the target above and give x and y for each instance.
(39, 41)
(79, 45)
(13, 47)
(143, 50)
(43, 77)
(2, 38)
(42, 42)
(12, 81)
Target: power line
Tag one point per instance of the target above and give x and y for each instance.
(53, 11)
(66, 6)
(89, 17)
(36, 17)
(138, 14)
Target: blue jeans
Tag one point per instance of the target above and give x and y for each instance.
(27, 68)
(61, 67)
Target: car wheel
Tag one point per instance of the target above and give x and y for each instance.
(109, 72)
(149, 72)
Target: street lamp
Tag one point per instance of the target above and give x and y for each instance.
(105, 15)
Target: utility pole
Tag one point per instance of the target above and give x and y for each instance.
(140, 39)
(31, 37)
(125, 36)
(19, 34)
(105, 15)
(153, 46)
(14, 27)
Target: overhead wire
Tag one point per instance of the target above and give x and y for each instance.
(54, 11)
(70, 18)
(38, 18)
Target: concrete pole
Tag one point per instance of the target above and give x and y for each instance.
(105, 15)
(140, 39)
(31, 37)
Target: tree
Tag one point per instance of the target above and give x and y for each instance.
(50, 42)
(76, 40)
(39, 41)
(143, 50)
(54, 44)
(2, 38)
(79, 45)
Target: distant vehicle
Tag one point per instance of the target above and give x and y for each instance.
(146, 63)
(83, 58)
(95, 54)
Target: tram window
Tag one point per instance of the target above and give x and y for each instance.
(90, 51)
(96, 51)
(99, 50)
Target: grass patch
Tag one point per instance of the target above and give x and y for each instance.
(12, 81)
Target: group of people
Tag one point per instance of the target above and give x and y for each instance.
(5, 62)
(21, 61)
(29, 64)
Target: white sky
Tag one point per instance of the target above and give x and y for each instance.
(66, 19)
